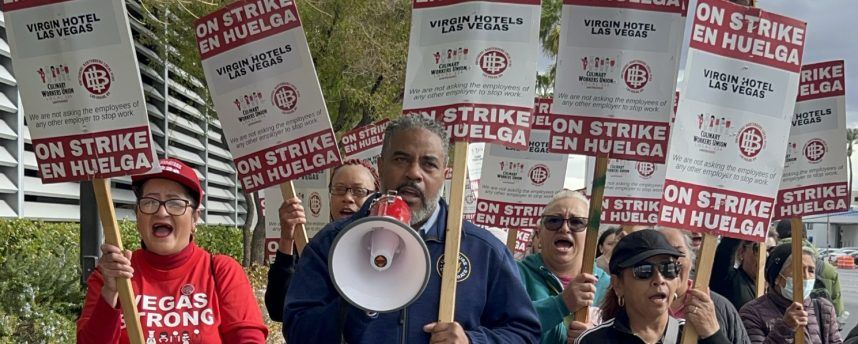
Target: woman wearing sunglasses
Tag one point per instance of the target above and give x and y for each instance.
(351, 184)
(644, 278)
(553, 277)
(183, 292)
(774, 317)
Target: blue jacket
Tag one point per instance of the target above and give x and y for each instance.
(491, 303)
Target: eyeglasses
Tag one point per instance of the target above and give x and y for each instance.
(668, 270)
(555, 222)
(358, 192)
(175, 207)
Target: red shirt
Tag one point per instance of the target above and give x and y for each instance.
(178, 302)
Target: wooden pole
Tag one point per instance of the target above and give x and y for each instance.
(287, 189)
(762, 252)
(595, 216)
(705, 257)
(797, 271)
(113, 237)
(447, 304)
(511, 239)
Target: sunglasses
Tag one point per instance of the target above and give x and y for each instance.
(668, 270)
(555, 222)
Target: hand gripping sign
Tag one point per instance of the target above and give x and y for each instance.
(472, 67)
(814, 177)
(731, 130)
(264, 86)
(316, 199)
(77, 75)
(616, 70)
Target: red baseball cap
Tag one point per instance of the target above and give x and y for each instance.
(176, 171)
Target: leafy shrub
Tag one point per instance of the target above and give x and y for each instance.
(40, 292)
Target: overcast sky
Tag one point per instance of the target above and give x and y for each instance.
(831, 35)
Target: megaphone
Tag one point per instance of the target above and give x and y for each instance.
(379, 263)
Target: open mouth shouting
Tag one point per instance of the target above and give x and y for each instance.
(162, 230)
(564, 245)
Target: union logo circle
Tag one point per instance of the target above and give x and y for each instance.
(285, 97)
(539, 174)
(814, 150)
(315, 203)
(96, 77)
(493, 61)
(187, 289)
(751, 141)
(636, 75)
(645, 169)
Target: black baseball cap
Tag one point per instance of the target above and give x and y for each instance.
(637, 247)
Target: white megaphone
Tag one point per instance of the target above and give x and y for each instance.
(379, 263)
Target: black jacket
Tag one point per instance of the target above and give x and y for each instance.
(279, 276)
(617, 331)
(732, 283)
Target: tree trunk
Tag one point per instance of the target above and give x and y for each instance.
(257, 244)
(247, 228)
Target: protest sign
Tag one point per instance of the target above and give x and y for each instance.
(364, 143)
(814, 178)
(312, 189)
(729, 140)
(632, 191)
(472, 67)
(78, 80)
(261, 77)
(616, 77)
(520, 184)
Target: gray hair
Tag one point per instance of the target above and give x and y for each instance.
(564, 194)
(805, 251)
(415, 122)
(691, 254)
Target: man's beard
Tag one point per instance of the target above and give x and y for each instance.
(419, 213)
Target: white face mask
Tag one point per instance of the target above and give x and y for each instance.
(787, 290)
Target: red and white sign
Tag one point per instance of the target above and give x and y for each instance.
(616, 76)
(732, 125)
(364, 143)
(312, 189)
(472, 67)
(515, 186)
(632, 191)
(815, 176)
(472, 186)
(261, 77)
(77, 75)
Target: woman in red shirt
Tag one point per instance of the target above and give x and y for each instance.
(183, 293)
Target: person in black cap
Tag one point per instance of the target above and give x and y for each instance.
(774, 317)
(644, 278)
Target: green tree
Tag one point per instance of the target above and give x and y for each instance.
(549, 39)
(359, 48)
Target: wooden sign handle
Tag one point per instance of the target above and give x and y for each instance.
(287, 189)
(595, 217)
(797, 271)
(112, 236)
(511, 239)
(760, 282)
(447, 302)
(705, 257)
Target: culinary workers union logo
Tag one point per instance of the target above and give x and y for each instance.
(463, 271)
(96, 77)
(538, 174)
(285, 97)
(493, 62)
(751, 141)
(814, 150)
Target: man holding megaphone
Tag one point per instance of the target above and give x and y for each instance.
(339, 293)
